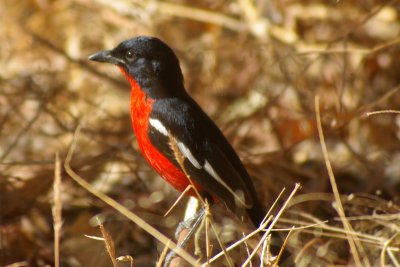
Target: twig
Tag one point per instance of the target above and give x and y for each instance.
(283, 246)
(237, 243)
(125, 259)
(351, 238)
(388, 111)
(297, 186)
(177, 200)
(57, 209)
(379, 100)
(180, 159)
(261, 227)
(385, 249)
(248, 250)
(393, 258)
(162, 256)
(208, 248)
(109, 243)
(221, 244)
(264, 251)
(120, 208)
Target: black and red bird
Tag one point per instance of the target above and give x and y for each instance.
(162, 109)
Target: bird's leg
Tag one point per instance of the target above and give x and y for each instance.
(192, 224)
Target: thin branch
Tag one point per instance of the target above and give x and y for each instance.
(121, 209)
(351, 238)
(56, 211)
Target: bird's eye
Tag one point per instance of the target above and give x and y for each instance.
(130, 56)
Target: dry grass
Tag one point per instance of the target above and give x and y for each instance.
(256, 68)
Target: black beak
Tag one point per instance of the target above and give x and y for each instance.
(105, 56)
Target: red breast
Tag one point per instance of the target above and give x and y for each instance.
(140, 108)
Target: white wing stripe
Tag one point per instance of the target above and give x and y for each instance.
(157, 124)
(239, 197)
(187, 154)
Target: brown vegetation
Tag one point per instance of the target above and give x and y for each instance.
(260, 69)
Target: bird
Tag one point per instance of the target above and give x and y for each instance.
(167, 120)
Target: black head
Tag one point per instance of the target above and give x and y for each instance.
(150, 61)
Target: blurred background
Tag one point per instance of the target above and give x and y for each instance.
(255, 67)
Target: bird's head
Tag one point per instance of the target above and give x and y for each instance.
(150, 62)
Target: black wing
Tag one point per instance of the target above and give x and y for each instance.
(208, 157)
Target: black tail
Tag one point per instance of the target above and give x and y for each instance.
(257, 213)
